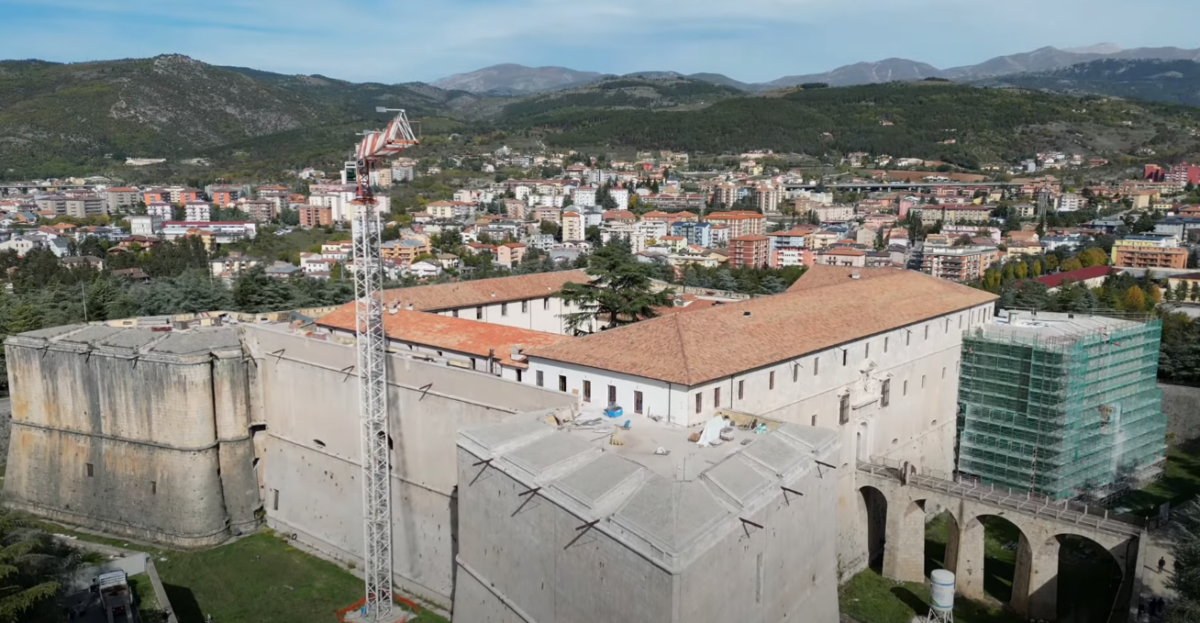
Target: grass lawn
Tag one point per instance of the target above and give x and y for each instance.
(1180, 482)
(871, 598)
(259, 579)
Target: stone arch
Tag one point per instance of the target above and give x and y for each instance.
(974, 577)
(873, 521)
(1077, 571)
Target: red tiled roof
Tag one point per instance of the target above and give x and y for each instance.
(1083, 274)
(445, 333)
(480, 292)
(824, 308)
(844, 251)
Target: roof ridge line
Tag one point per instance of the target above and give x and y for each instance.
(682, 349)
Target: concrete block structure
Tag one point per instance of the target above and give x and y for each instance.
(133, 432)
(557, 524)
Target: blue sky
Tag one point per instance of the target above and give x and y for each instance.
(750, 40)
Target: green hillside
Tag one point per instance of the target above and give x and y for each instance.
(984, 125)
(619, 93)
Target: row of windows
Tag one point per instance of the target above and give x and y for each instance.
(504, 309)
(638, 397)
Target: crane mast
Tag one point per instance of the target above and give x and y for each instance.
(372, 368)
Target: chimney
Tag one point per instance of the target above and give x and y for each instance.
(745, 314)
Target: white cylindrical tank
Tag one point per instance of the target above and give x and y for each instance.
(941, 591)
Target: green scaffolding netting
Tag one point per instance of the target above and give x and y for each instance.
(1062, 416)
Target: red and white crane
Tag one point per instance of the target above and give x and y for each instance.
(375, 147)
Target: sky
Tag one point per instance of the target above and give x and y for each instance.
(422, 40)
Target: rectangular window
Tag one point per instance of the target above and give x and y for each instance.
(524, 307)
(771, 380)
(519, 375)
(960, 319)
(844, 409)
(546, 303)
(904, 389)
(637, 402)
(504, 309)
(758, 579)
(717, 397)
(275, 499)
(814, 420)
(587, 391)
(612, 394)
(867, 350)
(908, 337)
(943, 371)
(455, 313)
(562, 383)
(541, 378)
(885, 344)
(927, 332)
(922, 381)
(741, 389)
(845, 356)
(479, 313)
(816, 366)
(796, 372)
(699, 401)
(885, 393)
(947, 325)
(91, 470)
(473, 363)
(153, 488)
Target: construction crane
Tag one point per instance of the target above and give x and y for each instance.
(375, 147)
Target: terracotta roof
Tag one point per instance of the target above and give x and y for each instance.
(445, 333)
(824, 308)
(480, 292)
(1083, 274)
(845, 251)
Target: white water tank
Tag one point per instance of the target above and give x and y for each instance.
(941, 591)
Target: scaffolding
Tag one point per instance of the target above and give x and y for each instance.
(1062, 405)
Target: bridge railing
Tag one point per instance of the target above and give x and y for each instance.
(957, 485)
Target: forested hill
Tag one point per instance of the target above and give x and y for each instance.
(1175, 81)
(933, 119)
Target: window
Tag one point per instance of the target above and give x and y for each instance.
(562, 383)
(814, 420)
(91, 470)
(473, 363)
(943, 371)
(587, 391)
(845, 356)
(504, 309)
(717, 397)
(922, 381)
(904, 389)
(885, 393)
(844, 409)
(275, 499)
(637, 402)
(960, 319)
(927, 332)
(524, 307)
(947, 325)
(546, 303)
(796, 372)
(541, 379)
(908, 337)
(957, 367)
(771, 380)
(455, 312)
(153, 488)
(867, 350)
(479, 313)
(612, 394)
(816, 366)
(741, 389)
(519, 375)
(885, 344)
(699, 401)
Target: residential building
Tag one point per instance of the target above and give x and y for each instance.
(620, 196)
(739, 223)
(260, 210)
(790, 248)
(842, 255)
(544, 213)
(766, 198)
(83, 206)
(622, 216)
(725, 194)
(283, 270)
(145, 225)
(197, 211)
(1131, 254)
(931, 214)
(165, 211)
(699, 234)
(1061, 405)
(957, 263)
(55, 205)
(833, 214)
(515, 209)
(425, 269)
(1071, 202)
(510, 254)
(638, 235)
(224, 196)
(315, 216)
(229, 267)
(222, 232)
(450, 210)
(585, 197)
(121, 199)
(572, 227)
(405, 250)
(751, 251)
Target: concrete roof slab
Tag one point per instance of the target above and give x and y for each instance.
(671, 514)
(590, 483)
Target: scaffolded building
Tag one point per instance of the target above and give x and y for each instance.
(1061, 405)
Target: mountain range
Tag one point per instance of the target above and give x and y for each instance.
(520, 80)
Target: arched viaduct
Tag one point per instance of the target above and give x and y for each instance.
(895, 509)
